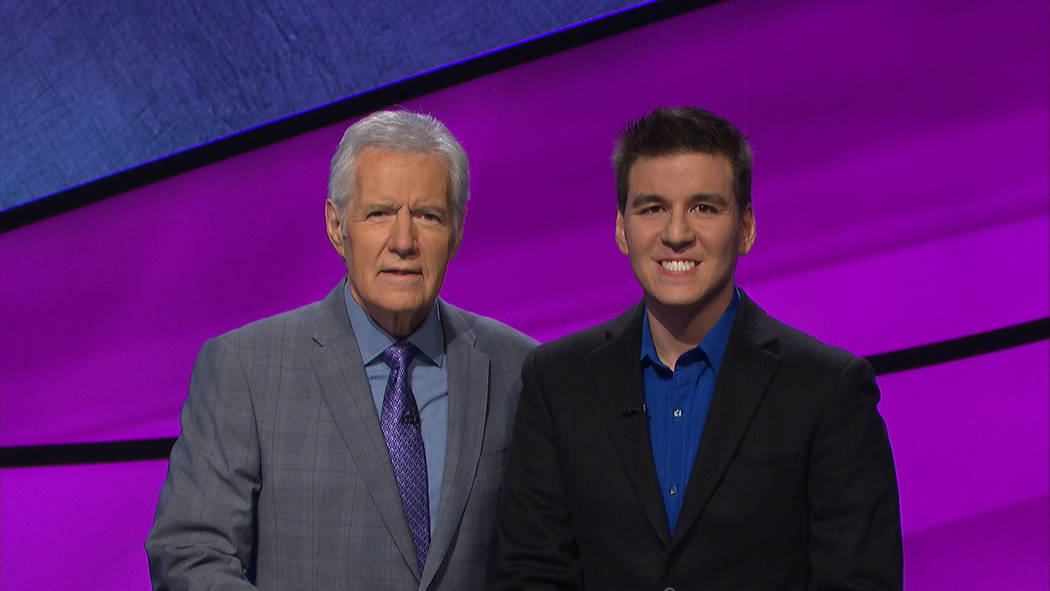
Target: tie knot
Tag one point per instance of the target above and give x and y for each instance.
(399, 355)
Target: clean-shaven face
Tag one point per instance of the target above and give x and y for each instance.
(682, 230)
(397, 235)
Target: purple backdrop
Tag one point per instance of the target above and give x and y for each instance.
(900, 196)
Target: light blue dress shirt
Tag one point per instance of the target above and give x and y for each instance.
(428, 373)
(677, 403)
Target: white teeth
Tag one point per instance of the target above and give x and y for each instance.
(678, 265)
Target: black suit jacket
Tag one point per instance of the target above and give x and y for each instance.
(793, 485)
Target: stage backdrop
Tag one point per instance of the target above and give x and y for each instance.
(900, 195)
(91, 88)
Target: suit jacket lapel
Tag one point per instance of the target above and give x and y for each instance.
(747, 366)
(468, 393)
(344, 386)
(614, 368)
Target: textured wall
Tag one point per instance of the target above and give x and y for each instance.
(91, 88)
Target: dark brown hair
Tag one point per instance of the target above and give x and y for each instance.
(681, 130)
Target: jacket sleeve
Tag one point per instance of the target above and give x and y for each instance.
(536, 546)
(202, 535)
(854, 518)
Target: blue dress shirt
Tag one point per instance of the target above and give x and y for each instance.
(677, 403)
(429, 375)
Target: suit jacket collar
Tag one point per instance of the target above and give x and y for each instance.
(344, 385)
(468, 394)
(345, 389)
(615, 371)
(749, 362)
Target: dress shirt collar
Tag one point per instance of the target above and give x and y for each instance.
(713, 345)
(372, 340)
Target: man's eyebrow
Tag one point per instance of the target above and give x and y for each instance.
(429, 208)
(647, 198)
(432, 204)
(654, 198)
(713, 198)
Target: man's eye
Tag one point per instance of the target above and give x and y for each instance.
(375, 214)
(704, 208)
(650, 210)
(428, 217)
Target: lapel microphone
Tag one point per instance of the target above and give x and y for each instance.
(410, 418)
(631, 411)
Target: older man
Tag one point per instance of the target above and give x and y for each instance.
(694, 442)
(357, 442)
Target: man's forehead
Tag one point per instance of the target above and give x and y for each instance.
(694, 167)
(373, 156)
(394, 169)
(695, 155)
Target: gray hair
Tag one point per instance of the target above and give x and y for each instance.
(403, 131)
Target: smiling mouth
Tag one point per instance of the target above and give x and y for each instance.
(678, 266)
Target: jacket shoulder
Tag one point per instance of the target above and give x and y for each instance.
(578, 345)
(805, 350)
(493, 336)
(283, 327)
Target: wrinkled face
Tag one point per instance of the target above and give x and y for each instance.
(682, 230)
(396, 236)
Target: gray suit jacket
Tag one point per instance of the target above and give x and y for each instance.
(281, 477)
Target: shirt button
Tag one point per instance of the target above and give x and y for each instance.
(677, 413)
(673, 490)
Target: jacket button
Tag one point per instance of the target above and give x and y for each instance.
(669, 589)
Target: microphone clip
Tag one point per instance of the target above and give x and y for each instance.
(631, 411)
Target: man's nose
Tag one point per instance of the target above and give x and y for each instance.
(677, 233)
(402, 234)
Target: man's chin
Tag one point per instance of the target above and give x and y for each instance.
(674, 300)
(679, 304)
(411, 304)
(405, 284)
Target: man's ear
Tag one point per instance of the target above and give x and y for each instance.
(747, 231)
(457, 237)
(621, 237)
(334, 226)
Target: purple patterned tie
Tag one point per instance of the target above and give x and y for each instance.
(404, 440)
